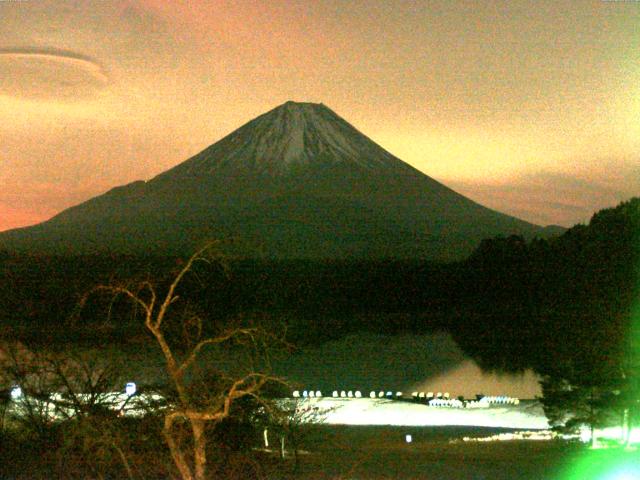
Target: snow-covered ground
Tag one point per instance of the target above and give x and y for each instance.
(382, 411)
(526, 415)
(328, 410)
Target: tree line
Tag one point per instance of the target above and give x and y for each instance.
(568, 308)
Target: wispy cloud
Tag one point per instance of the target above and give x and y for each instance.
(50, 74)
(557, 198)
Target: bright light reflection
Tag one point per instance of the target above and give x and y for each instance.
(130, 388)
(383, 411)
(16, 393)
(612, 464)
(524, 435)
(585, 434)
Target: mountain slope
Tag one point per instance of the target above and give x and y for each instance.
(296, 182)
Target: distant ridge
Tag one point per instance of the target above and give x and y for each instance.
(296, 182)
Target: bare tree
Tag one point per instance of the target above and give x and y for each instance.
(293, 423)
(196, 408)
(31, 380)
(73, 392)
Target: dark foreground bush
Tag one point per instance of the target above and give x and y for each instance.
(122, 447)
(94, 447)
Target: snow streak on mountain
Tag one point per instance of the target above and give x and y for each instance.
(292, 135)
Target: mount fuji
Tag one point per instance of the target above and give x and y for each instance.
(296, 182)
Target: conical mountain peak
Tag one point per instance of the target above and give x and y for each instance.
(296, 182)
(289, 137)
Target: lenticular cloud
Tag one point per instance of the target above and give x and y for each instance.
(50, 74)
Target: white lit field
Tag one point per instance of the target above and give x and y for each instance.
(525, 416)
(331, 411)
(381, 411)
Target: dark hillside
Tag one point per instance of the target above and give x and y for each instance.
(547, 303)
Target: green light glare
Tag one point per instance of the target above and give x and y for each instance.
(614, 464)
(632, 366)
(619, 463)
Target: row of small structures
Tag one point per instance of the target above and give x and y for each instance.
(438, 399)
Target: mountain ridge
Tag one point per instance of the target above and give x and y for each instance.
(298, 181)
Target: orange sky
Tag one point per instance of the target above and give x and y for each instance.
(531, 108)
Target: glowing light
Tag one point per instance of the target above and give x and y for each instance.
(130, 388)
(585, 434)
(380, 411)
(603, 463)
(16, 393)
(523, 435)
(611, 434)
(408, 438)
(609, 464)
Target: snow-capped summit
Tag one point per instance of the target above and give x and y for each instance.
(296, 182)
(292, 135)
